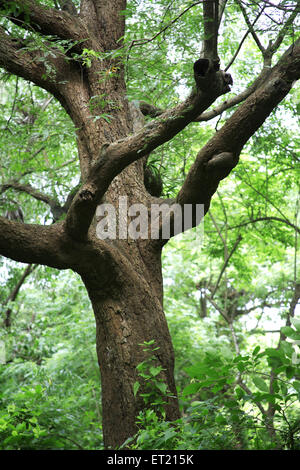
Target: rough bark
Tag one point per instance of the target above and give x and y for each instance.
(128, 312)
(123, 277)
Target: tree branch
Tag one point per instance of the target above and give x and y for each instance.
(149, 110)
(222, 5)
(243, 39)
(251, 28)
(211, 27)
(273, 47)
(34, 244)
(52, 72)
(271, 218)
(56, 208)
(27, 188)
(15, 291)
(225, 264)
(46, 21)
(115, 157)
(152, 111)
(220, 155)
(32, 65)
(140, 42)
(219, 309)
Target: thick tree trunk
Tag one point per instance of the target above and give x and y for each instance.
(128, 311)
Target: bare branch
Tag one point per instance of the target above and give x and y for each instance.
(13, 294)
(273, 47)
(222, 5)
(225, 264)
(260, 219)
(243, 39)
(56, 208)
(15, 291)
(285, 8)
(141, 42)
(250, 27)
(150, 110)
(219, 309)
(27, 188)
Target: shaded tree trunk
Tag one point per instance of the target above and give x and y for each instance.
(128, 312)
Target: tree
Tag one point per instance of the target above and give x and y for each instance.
(76, 53)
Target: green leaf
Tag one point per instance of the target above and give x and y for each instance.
(296, 385)
(239, 392)
(197, 370)
(162, 387)
(154, 371)
(290, 371)
(241, 367)
(220, 419)
(191, 389)
(260, 384)
(271, 352)
(169, 434)
(136, 387)
(296, 323)
(291, 333)
(287, 348)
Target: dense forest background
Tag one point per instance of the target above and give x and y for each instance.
(230, 296)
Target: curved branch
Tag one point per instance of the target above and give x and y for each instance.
(220, 155)
(51, 72)
(260, 219)
(33, 244)
(141, 42)
(46, 21)
(150, 110)
(27, 188)
(31, 65)
(56, 208)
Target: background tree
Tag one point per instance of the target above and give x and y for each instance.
(77, 54)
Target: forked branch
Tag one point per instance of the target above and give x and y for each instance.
(220, 155)
(115, 157)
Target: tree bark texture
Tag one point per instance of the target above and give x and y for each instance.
(123, 277)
